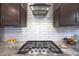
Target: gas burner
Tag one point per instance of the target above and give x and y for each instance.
(39, 47)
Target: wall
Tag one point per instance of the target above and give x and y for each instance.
(39, 28)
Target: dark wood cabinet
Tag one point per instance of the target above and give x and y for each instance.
(66, 15)
(12, 14)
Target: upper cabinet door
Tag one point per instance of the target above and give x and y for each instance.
(68, 14)
(10, 14)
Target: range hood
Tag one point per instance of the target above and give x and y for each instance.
(40, 9)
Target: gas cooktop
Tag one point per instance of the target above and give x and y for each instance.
(39, 47)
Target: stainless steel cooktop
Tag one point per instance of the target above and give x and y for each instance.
(39, 47)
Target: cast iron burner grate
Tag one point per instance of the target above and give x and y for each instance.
(29, 45)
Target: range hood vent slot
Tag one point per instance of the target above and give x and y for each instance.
(40, 9)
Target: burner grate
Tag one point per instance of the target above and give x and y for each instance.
(29, 45)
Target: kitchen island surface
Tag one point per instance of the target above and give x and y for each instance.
(11, 50)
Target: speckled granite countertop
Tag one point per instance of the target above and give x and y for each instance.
(7, 50)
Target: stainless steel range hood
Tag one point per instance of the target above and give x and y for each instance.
(40, 9)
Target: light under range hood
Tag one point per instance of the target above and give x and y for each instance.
(40, 9)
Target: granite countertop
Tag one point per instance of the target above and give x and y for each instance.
(11, 49)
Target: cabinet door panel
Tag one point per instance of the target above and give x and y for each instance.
(10, 14)
(68, 13)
